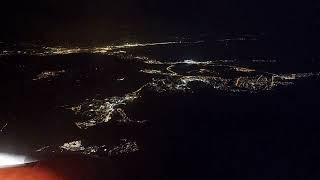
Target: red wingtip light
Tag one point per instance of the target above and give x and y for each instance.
(62, 168)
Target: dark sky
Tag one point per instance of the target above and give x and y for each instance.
(99, 19)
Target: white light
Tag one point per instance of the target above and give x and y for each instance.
(12, 160)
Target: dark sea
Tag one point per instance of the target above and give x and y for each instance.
(233, 106)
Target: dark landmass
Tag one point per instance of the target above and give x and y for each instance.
(206, 133)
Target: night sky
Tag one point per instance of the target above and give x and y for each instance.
(102, 19)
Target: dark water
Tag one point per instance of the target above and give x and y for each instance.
(204, 117)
